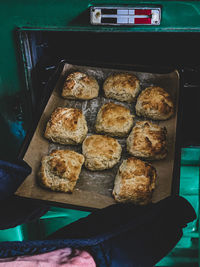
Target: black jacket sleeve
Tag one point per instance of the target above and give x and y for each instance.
(15, 211)
(133, 236)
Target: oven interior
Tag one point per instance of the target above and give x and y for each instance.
(42, 51)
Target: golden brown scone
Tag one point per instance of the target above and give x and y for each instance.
(79, 85)
(154, 103)
(122, 87)
(101, 152)
(147, 140)
(114, 120)
(134, 182)
(60, 170)
(66, 126)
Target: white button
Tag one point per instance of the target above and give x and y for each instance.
(122, 19)
(131, 12)
(132, 20)
(122, 12)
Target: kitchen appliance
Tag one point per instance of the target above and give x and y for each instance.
(37, 36)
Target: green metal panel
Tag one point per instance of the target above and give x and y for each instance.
(190, 156)
(57, 15)
(12, 234)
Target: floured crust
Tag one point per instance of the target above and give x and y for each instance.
(122, 87)
(79, 85)
(60, 170)
(66, 126)
(147, 140)
(134, 182)
(154, 103)
(101, 152)
(114, 120)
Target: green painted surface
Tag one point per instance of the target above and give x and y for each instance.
(57, 15)
(190, 156)
(12, 234)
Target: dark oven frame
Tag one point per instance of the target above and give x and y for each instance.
(45, 69)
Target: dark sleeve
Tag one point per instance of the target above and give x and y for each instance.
(120, 235)
(14, 211)
(12, 174)
(132, 236)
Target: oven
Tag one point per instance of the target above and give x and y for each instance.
(157, 37)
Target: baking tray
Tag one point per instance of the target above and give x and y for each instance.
(94, 188)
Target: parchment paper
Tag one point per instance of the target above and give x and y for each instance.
(94, 188)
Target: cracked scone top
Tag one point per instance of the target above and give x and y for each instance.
(114, 120)
(122, 86)
(66, 126)
(101, 152)
(60, 170)
(79, 85)
(134, 182)
(154, 103)
(147, 140)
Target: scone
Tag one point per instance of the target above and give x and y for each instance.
(114, 120)
(122, 86)
(66, 126)
(60, 170)
(79, 85)
(154, 103)
(134, 182)
(147, 140)
(101, 152)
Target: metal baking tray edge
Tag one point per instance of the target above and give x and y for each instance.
(48, 90)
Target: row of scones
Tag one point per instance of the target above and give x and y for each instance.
(134, 182)
(153, 102)
(135, 179)
(146, 140)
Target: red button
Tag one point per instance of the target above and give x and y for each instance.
(142, 20)
(142, 11)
